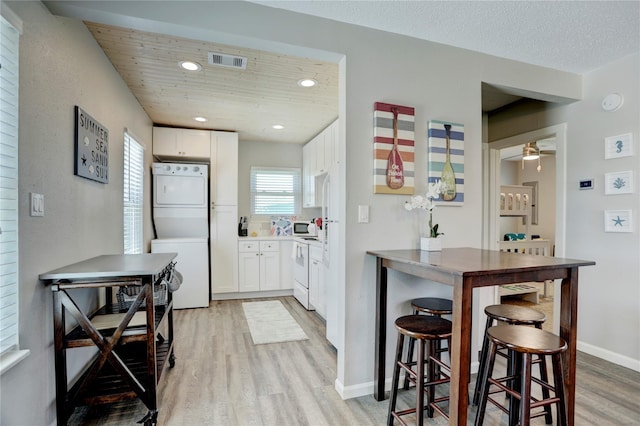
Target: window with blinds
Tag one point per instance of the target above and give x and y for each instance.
(9, 42)
(275, 191)
(133, 196)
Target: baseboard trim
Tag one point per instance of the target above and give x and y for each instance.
(251, 295)
(607, 355)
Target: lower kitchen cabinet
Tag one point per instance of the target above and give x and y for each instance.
(258, 266)
(317, 280)
(223, 231)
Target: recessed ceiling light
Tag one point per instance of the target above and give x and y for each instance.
(307, 82)
(278, 126)
(200, 119)
(190, 66)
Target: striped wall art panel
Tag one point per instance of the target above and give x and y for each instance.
(393, 170)
(437, 134)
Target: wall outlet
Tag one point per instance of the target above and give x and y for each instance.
(37, 205)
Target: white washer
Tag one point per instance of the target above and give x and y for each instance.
(193, 263)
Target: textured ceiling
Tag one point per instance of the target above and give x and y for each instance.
(573, 36)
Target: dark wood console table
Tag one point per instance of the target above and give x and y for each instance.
(466, 269)
(133, 351)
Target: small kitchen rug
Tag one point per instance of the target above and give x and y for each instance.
(270, 322)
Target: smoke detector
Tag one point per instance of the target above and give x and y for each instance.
(228, 61)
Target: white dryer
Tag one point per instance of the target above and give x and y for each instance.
(180, 200)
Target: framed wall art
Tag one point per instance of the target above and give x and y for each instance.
(618, 221)
(618, 146)
(618, 183)
(393, 149)
(446, 160)
(91, 149)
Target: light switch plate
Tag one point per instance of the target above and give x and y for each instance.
(37, 205)
(363, 214)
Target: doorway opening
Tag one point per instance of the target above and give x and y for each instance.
(506, 167)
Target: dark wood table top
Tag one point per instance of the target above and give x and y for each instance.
(467, 261)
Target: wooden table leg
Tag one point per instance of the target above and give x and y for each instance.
(60, 354)
(380, 331)
(460, 353)
(568, 331)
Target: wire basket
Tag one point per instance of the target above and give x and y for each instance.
(127, 295)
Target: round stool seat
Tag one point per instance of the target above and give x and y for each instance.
(424, 327)
(513, 314)
(432, 305)
(524, 339)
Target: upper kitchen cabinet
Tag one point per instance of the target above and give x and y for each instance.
(224, 160)
(318, 155)
(172, 144)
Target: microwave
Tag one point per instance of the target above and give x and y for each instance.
(300, 228)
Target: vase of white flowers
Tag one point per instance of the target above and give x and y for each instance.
(431, 241)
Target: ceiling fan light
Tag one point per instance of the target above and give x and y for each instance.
(530, 152)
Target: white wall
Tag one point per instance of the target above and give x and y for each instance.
(609, 299)
(61, 65)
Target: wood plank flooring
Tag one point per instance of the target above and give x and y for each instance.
(222, 378)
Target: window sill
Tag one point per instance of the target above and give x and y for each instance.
(11, 359)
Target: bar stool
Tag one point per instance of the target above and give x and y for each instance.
(426, 330)
(513, 315)
(525, 342)
(430, 306)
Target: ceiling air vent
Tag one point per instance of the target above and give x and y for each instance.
(229, 61)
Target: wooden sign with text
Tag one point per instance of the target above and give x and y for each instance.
(91, 148)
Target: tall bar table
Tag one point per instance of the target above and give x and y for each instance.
(466, 269)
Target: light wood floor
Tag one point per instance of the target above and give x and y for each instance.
(222, 378)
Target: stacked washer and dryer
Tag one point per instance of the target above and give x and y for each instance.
(181, 221)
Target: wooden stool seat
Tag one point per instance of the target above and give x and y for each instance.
(432, 306)
(419, 327)
(509, 314)
(513, 314)
(426, 330)
(525, 342)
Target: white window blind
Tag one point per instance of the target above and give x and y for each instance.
(133, 196)
(9, 42)
(275, 191)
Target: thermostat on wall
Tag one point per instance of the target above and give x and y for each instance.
(586, 184)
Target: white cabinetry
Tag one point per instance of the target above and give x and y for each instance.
(223, 227)
(224, 159)
(318, 155)
(308, 179)
(316, 280)
(171, 144)
(259, 265)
